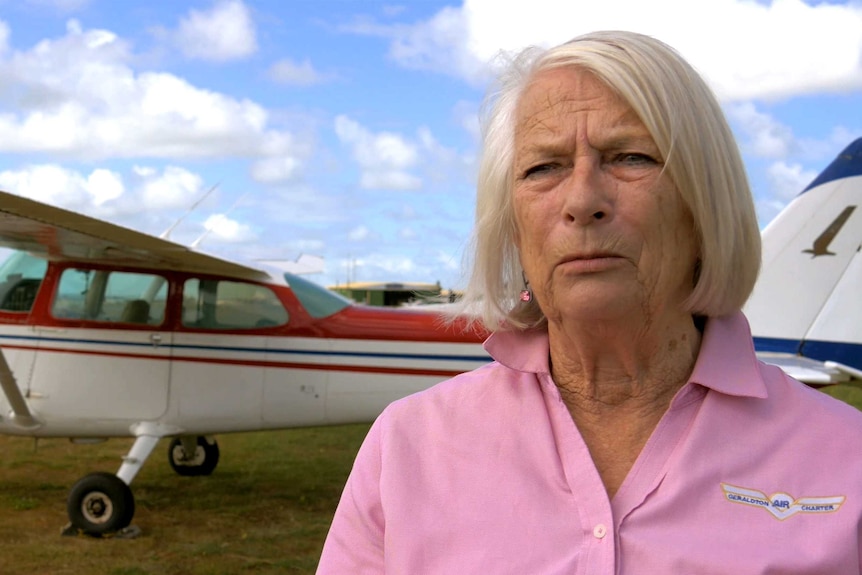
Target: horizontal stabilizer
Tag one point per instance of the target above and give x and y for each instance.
(807, 370)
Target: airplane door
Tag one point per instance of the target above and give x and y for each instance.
(104, 361)
(101, 374)
(217, 376)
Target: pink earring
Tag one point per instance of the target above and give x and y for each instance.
(526, 293)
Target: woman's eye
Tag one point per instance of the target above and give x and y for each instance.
(538, 169)
(635, 159)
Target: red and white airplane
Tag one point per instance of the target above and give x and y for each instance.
(108, 332)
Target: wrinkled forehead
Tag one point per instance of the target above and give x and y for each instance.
(554, 98)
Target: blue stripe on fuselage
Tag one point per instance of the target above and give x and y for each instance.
(34, 340)
(841, 352)
(773, 344)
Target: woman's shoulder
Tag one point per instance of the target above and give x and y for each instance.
(813, 406)
(492, 391)
(489, 381)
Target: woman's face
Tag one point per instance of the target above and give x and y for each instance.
(600, 231)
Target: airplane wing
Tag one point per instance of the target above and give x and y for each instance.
(58, 234)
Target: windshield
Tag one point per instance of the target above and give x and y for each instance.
(20, 277)
(21, 264)
(317, 300)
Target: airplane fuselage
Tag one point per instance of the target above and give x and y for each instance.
(212, 355)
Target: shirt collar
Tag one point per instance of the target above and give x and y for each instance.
(726, 362)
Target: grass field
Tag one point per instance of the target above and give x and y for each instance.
(265, 510)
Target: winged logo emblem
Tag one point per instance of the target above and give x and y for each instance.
(781, 505)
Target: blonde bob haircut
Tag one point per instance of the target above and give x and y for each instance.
(698, 149)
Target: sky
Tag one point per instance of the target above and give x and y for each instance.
(348, 129)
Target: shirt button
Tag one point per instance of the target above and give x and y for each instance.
(599, 531)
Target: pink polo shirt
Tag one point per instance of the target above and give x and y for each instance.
(748, 472)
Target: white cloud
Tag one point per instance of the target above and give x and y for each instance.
(449, 261)
(225, 32)
(78, 96)
(468, 118)
(389, 180)
(104, 185)
(174, 188)
(788, 180)
(272, 170)
(385, 148)
(388, 266)
(384, 158)
(223, 229)
(785, 181)
(441, 43)
(766, 137)
(396, 267)
(301, 207)
(143, 171)
(56, 185)
(47, 183)
(746, 49)
(287, 71)
(5, 32)
(144, 202)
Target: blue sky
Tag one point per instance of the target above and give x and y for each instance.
(348, 129)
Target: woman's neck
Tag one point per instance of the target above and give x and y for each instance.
(618, 383)
(606, 366)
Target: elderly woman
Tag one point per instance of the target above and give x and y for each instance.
(625, 425)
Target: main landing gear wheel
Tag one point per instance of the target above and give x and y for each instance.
(100, 503)
(193, 455)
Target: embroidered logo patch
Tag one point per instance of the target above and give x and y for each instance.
(781, 505)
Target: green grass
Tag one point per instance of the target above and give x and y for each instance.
(266, 508)
(850, 393)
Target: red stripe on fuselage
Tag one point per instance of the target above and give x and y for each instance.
(254, 363)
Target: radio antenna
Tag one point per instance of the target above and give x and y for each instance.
(167, 233)
(207, 231)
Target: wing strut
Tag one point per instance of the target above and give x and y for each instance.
(21, 414)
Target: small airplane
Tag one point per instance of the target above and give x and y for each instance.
(108, 332)
(805, 310)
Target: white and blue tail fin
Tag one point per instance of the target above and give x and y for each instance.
(808, 298)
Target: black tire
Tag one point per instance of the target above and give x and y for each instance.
(100, 503)
(202, 462)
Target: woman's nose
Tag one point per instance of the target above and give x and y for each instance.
(586, 198)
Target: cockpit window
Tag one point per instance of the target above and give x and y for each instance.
(107, 296)
(20, 277)
(220, 304)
